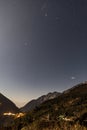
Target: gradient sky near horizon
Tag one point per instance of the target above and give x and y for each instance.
(43, 47)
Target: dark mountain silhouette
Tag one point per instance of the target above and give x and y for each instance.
(7, 105)
(34, 103)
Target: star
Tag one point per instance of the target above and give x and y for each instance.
(46, 14)
(73, 78)
(44, 9)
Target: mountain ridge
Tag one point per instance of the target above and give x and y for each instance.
(67, 111)
(36, 102)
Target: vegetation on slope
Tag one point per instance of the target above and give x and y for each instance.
(66, 112)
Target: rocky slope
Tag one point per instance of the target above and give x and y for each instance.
(34, 103)
(67, 111)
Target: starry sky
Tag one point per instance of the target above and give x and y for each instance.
(43, 47)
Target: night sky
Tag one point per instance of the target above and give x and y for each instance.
(43, 47)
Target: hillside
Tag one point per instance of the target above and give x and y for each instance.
(67, 111)
(35, 103)
(7, 105)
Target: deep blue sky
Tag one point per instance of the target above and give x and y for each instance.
(43, 47)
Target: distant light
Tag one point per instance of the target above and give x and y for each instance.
(15, 115)
(19, 115)
(9, 114)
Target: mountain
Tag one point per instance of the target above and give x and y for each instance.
(34, 103)
(67, 111)
(54, 111)
(7, 105)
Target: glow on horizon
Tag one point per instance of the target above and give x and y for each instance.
(21, 97)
